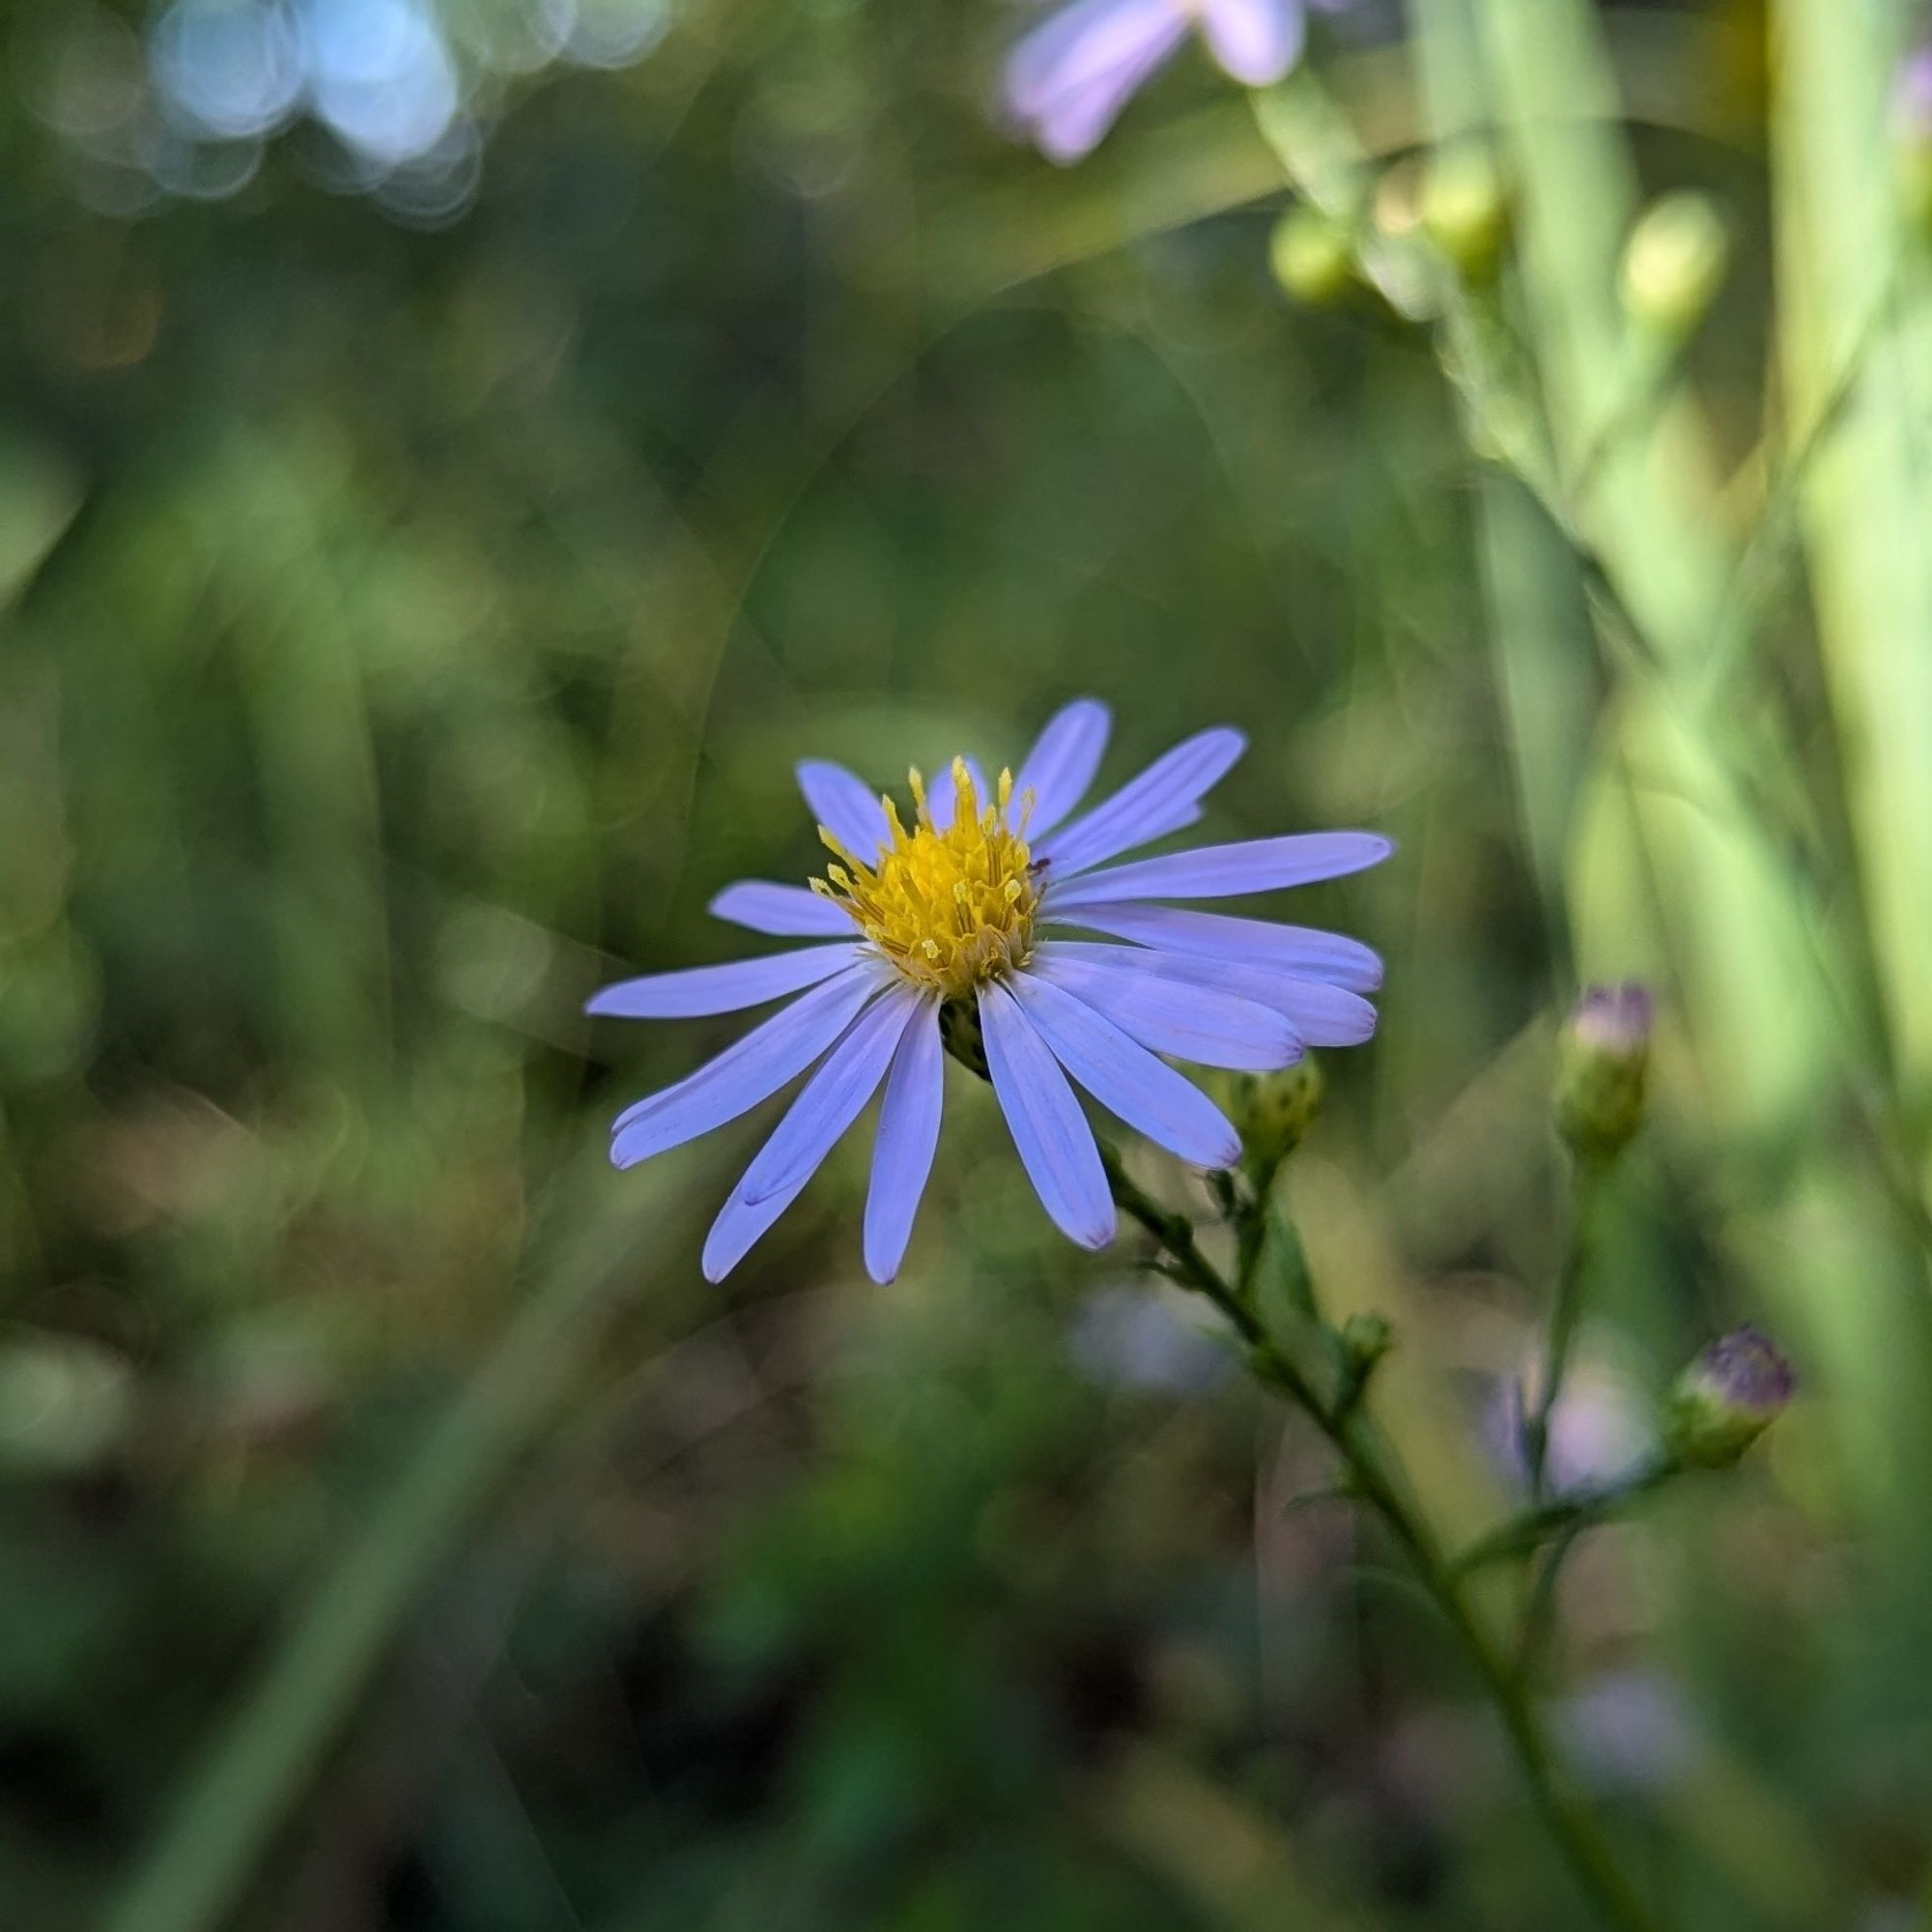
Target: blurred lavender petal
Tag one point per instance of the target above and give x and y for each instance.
(1600, 1430)
(1068, 81)
(1629, 1731)
(1255, 41)
(1131, 1338)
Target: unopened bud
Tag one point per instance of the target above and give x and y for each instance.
(1274, 1111)
(1602, 1063)
(1366, 1338)
(1312, 257)
(1674, 262)
(1726, 1399)
(1466, 208)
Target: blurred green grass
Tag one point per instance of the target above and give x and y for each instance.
(405, 631)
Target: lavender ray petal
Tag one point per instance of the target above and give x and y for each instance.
(1125, 1078)
(787, 912)
(1062, 763)
(700, 991)
(811, 1128)
(1305, 951)
(1225, 871)
(1255, 42)
(1319, 1012)
(1164, 797)
(846, 807)
(1075, 119)
(1082, 44)
(902, 1150)
(1210, 1025)
(1323, 1014)
(1055, 1144)
(746, 1072)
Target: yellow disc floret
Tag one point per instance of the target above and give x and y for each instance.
(950, 909)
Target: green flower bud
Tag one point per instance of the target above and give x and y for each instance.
(1366, 1338)
(1312, 257)
(1466, 208)
(1603, 1062)
(1675, 264)
(1726, 1399)
(1273, 1111)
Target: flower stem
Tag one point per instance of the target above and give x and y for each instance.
(1375, 1479)
(1565, 1309)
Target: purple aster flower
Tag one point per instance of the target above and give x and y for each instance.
(1067, 80)
(959, 932)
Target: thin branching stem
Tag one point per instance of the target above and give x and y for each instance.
(1565, 1310)
(1375, 1479)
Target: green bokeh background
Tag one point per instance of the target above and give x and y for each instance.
(403, 631)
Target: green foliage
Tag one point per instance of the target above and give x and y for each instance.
(403, 631)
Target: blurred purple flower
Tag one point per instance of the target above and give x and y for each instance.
(1631, 1731)
(1128, 1338)
(1600, 1430)
(1066, 83)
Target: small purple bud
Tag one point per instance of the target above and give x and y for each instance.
(1727, 1399)
(1613, 1019)
(1602, 1064)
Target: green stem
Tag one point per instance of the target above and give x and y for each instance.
(1374, 1479)
(1522, 1535)
(1564, 1312)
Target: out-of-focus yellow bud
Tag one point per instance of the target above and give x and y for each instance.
(1466, 208)
(1602, 1065)
(1274, 1111)
(1726, 1399)
(1674, 262)
(1312, 257)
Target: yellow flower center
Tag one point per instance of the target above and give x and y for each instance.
(950, 909)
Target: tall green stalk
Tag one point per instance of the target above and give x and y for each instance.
(266, 1753)
(1853, 313)
(1674, 868)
